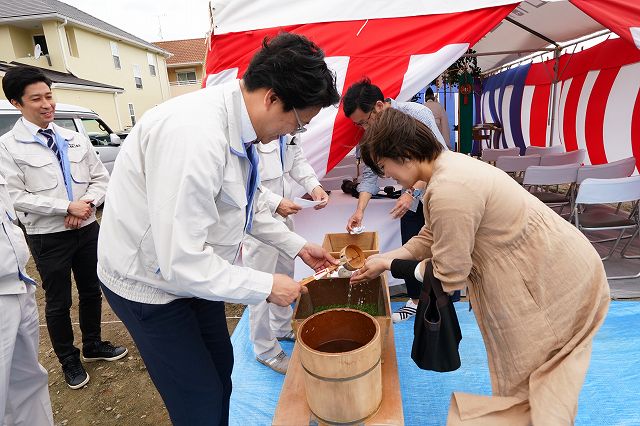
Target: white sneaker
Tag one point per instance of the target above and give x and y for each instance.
(407, 311)
(278, 363)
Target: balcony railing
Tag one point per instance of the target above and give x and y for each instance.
(183, 82)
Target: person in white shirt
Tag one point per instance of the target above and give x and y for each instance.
(56, 180)
(182, 197)
(282, 163)
(24, 391)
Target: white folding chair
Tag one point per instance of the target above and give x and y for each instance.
(615, 169)
(544, 150)
(609, 191)
(515, 165)
(490, 155)
(543, 177)
(571, 157)
(612, 170)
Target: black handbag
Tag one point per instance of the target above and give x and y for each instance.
(436, 332)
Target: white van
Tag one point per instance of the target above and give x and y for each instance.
(76, 118)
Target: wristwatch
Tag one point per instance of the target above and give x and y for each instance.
(414, 192)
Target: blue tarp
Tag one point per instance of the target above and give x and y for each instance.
(609, 396)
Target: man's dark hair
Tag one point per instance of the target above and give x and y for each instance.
(294, 67)
(17, 78)
(428, 94)
(397, 136)
(363, 95)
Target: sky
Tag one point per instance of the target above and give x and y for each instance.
(151, 20)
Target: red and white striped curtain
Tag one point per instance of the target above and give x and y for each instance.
(401, 46)
(598, 103)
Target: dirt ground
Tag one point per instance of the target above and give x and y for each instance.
(120, 392)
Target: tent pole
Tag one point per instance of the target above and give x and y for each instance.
(554, 93)
(529, 30)
(529, 57)
(509, 52)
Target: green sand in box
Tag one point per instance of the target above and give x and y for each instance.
(370, 308)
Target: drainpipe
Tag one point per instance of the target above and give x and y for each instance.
(61, 34)
(115, 102)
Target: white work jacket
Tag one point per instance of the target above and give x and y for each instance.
(176, 210)
(13, 248)
(36, 181)
(279, 169)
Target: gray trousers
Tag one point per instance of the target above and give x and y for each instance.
(24, 394)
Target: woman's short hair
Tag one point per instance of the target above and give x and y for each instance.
(397, 136)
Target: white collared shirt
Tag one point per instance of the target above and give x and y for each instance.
(34, 129)
(248, 133)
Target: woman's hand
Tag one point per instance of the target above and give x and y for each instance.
(373, 267)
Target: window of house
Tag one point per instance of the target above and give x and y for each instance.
(71, 41)
(42, 41)
(152, 63)
(187, 76)
(132, 115)
(137, 77)
(115, 54)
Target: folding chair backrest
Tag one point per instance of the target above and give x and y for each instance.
(570, 157)
(516, 163)
(544, 150)
(491, 154)
(615, 169)
(551, 175)
(606, 191)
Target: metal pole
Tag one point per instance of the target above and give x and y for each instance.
(554, 92)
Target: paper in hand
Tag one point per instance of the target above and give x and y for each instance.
(304, 203)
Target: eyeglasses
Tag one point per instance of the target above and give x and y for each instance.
(300, 128)
(365, 122)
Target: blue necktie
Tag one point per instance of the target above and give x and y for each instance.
(252, 156)
(51, 143)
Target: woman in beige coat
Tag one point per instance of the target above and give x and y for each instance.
(536, 285)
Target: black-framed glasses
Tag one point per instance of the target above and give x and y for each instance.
(300, 128)
(365, 122)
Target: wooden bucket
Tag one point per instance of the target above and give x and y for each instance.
(340, 353)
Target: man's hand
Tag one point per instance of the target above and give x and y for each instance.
(355, 220)
(72, 222)
(81, 209)
(284, 290)
(402, 206)
(319, 194)
(316, 257)
(373, 267)
(287, 207)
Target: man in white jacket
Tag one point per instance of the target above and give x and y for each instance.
(282, 163)
(56, 181)
(181, 199)
(24, 391)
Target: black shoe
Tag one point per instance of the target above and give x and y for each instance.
(103, 351)
(74, 373)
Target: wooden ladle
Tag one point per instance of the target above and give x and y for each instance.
(351, 257)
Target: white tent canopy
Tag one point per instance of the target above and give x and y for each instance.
(558, 21)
